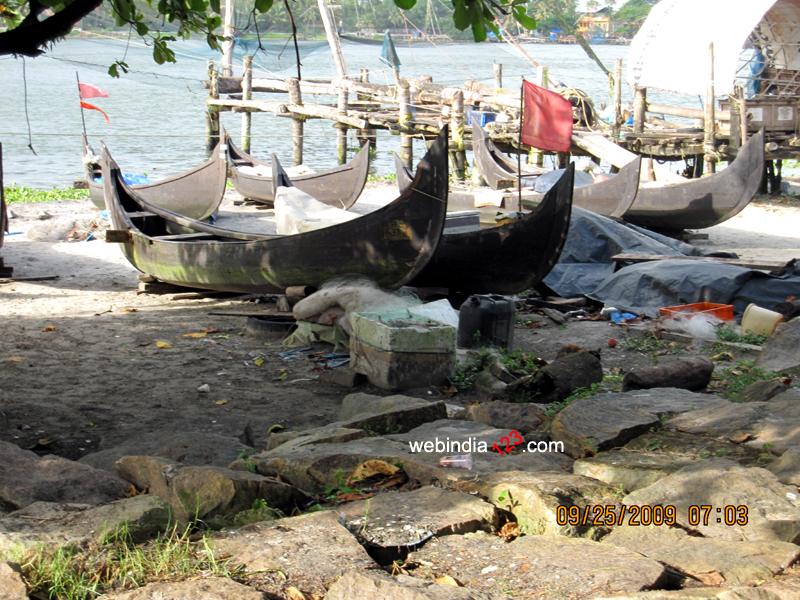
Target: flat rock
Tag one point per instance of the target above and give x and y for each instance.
(703, 593)
(787, 467)
(187, 448)
(26, 477)
(389, 414)
(600, 422)
(780, 352)
(522, 416)
(773, 508)
(721, 418)
(206, 492)
(537, 567)
(308, 552)
(49, 523)
(628, 470)
(780, 427)
(328, 434)
(533, 498)
(762, 391)
(314, 467)
(680, 447)
(394, 519)
(709, 561)
(11, 585)
(211, 588)
(357, 585)
(560, 378)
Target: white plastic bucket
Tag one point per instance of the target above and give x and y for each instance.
(760, 320)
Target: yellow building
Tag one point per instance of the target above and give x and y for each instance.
(595, 24)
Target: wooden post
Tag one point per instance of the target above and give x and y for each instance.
(498, 75)
(542, 76)
(212, 112)
(617, 97)
(406, 147)
(458, 153)
(742, 113)
(341, 128)
(227, 41)
(536, 156)
(333, 39)
(368, 134)
(247, 94)
(709, 119)
(735, 135)
(639, 109)
(293, 87)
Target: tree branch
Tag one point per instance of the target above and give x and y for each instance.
(31, 36)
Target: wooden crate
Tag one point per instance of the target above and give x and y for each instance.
(773, 114)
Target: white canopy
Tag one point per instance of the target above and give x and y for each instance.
(670, 52)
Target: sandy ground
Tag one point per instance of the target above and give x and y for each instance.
(81, 368)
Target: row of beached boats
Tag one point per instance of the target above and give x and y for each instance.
(404, 242)
(412, 240)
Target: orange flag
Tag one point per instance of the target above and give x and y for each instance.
(546, 119)
(88, 106)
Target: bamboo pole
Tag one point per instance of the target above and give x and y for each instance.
(458, 153)
(639, 109)
(404, 120)
(617, 97)
(212, 112)
(227, 41)
(709, 123)
(293, 87)
(333, 39)
(735, 134)
(688, 113)
(247, 94)
(341, 128)
(536, 156)
(498, 75)
(743, 114)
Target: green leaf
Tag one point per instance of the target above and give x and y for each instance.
(198, 5)
(214, 4)
(142, 29)
(113, 71)
(405, 4)
(523, 18)
(478, 32)
(263, 6)
(461, 16)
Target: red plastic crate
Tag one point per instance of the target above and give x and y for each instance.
(723, 312)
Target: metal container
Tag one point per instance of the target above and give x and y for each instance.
(486, 319)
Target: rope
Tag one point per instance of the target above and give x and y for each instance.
(27, 115)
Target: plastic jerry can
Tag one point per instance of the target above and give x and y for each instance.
(486, 319)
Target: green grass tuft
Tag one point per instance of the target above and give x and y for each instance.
(726, 334)
(732, 382)
(116, 563)
(17, 194)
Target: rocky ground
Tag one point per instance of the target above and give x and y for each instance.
(124, 414)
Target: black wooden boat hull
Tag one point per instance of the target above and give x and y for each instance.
(389, 246)
(702, 202)
(508, 258)
(196, 193)
(339, 187)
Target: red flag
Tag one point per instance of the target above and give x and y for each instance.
(87, 90)
(546, 119)
(88, 106)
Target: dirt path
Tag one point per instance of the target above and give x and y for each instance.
(81, 370)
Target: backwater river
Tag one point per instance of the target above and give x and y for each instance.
(157, 111)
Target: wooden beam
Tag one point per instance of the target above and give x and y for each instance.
(598, 145)
(760, 265)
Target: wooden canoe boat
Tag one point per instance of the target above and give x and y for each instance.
(610, 198)
(339, 187)
(703, 202)
(196, 193)
(507, 258)
(498, 170)
(390, 245)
